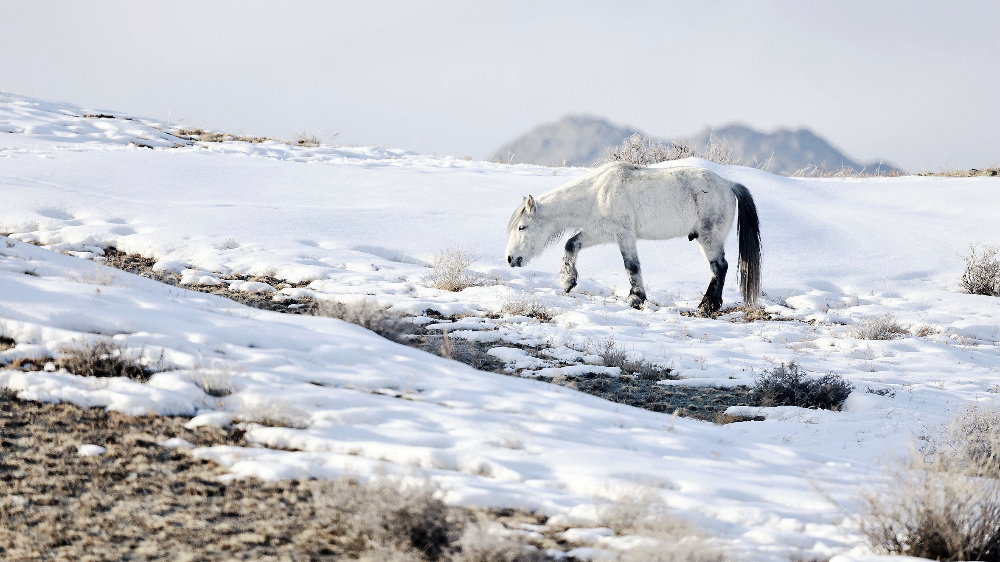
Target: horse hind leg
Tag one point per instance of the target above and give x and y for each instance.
(716, 256)
(630, 255)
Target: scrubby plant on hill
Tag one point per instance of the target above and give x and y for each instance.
(641, 150)
(788, 385)
(943, 501)
(106, 358)
(982, 271)
(367, 314)
(450, 271)
(884, 327)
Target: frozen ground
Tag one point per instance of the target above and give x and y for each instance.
(363, 222)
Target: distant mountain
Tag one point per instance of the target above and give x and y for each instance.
(583, 141)
(577, 140)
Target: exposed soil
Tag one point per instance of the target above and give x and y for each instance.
(142, 501)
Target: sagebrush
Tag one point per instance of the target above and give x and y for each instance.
(982, 271)
(450, 271)
(943, 501)
(369, 315)
(788, 385)
(106, 357)
(884, 327)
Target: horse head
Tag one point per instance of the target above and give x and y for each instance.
(528, 234)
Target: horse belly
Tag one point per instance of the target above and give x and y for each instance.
(666, 219)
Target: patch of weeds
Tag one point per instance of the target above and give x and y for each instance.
(273, 413)
(525, 304)
(450, 272)
(6, 342)
(614, 355)
(722, 418)
(107, 358)
(943, 502)
(887, 392)
(982, 271)
(27, 363)
(217, 383)
(788, 385)
(640, 150)
(305, 139)
(884, 327)
(641, 511)
(368, 315)
(96, 276)
(483, 541)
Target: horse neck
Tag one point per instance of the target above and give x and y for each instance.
(567, 208)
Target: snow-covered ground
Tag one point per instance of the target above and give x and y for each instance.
(364, 222)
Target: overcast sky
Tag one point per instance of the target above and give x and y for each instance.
(915, 83)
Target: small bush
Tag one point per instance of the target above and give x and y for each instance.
(641, 511)
(273, 413)
(305, 139)
(884, 327)
(389, 519)
(450, 272)
(787, 385)
(640, 150)
(368, 315)
(217, 383)
(106, 358)
(982, 271)
(613, 355)
(525, 304)
(481, 542)
(942, 503)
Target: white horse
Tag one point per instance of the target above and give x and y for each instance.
(622, 203)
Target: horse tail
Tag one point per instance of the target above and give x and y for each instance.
(748, 231)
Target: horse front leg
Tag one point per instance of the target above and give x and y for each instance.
(630, 255)
(567, 273)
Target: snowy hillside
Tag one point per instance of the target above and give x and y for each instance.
(362, 223)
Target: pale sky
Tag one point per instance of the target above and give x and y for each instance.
(915, 83)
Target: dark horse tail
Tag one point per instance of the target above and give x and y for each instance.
(748, 231)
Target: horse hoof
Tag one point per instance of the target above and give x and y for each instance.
(568, 286)
(635, 302)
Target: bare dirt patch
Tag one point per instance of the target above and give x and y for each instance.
(143, 501)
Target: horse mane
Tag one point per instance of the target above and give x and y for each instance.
(514, 217)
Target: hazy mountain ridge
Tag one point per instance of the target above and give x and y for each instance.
(579, 140)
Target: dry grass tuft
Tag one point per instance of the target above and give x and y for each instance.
(483, 542)
(305, 139)
(104, 276)
(640, 150)
(107, 358)
(982, 271)
(641, 511)
(273, 413)
(368, 315)
(217, 382)
(450, 271)
(788, 385)
(815, 171)
(942, 503)
(884, 327)
(524, 304)
(614, 355)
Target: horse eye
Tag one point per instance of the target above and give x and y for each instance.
(522, 227)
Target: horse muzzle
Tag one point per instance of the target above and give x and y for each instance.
(514, 262)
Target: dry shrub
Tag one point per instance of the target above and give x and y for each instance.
(719, 151)
(942, 503)
(98, 275)
(388, 519)
(482, 542)
(216, 382)
(614, 355)
(368, 315)
(273, 413)
(982, 271)
(524, 304)
(107, 358)
(641, 511)
(640, 150)
(450, 271)
(788, 385)
(305, 139)
(884, 327)
(821, 171)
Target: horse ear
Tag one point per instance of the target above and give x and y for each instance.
(530, 204)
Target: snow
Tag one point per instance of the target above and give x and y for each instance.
(362, 223)
(90, 450)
